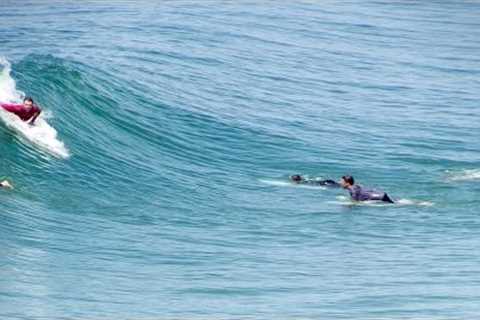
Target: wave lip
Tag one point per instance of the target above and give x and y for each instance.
(8, 91)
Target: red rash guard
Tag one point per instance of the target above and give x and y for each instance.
(21, 111)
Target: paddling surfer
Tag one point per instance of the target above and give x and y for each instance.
(28, 111)
(359, 193)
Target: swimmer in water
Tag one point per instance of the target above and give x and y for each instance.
(28, 111)
(6, 184)
(359, 193)
(298, 179)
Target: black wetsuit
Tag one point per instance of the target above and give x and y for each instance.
(325, 183)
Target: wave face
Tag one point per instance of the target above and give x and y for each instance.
(183, 120)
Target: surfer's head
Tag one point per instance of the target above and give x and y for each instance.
(296, 178)
(347, 181)
(28, 102)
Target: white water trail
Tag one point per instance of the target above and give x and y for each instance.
(464, 175)
(346, 200)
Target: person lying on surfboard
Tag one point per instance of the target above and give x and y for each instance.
(5, 184)
(28, 111)
(359, 193)
(298, 179)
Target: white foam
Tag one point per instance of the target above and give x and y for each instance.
(8, 91)
(464, 175)
(409, 202)
(345, 200)
(41, 135)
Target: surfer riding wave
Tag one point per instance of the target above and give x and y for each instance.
(28, 111)
(25, 118)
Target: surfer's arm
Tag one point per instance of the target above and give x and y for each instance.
(35, 116)
(10, 107)
(329, 183)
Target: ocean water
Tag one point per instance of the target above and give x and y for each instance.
(181, 122)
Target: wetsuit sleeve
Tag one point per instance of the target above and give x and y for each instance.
(331, 183)
(10, 107)
(354, 193)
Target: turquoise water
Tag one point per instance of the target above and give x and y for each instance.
(183, 121)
